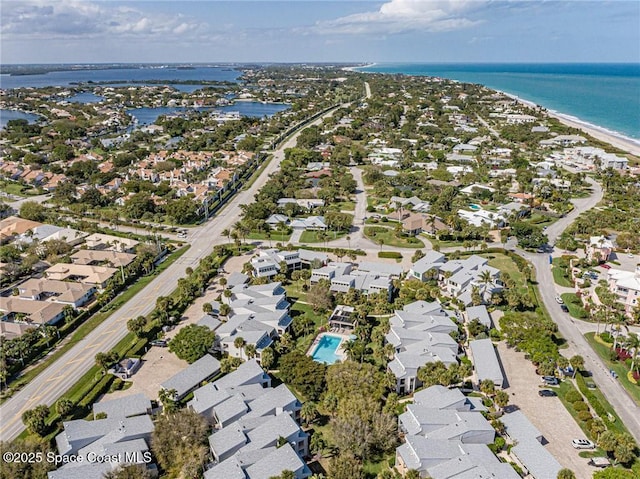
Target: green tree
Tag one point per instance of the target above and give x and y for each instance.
(167, 398)
(487, 387)
(179, 443)
(614, 473)
(625, 450)
(309, 412)
(346, 466)
(565, 474)
(319, 297)
(131, 471)
(501, 399)
(239, 343)
(267, 358)
(303, 373)
(192, 342)
(36, 419)
(137, 325)
(31, 210)
(64, 407)
(577, 363)
(26, 469)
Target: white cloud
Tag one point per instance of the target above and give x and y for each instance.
(400, 16)
(51, 19)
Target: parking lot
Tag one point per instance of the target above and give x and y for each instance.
(159, 364)
(546, 413)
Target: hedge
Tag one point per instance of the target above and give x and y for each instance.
(98, 390)
(597, 406)
(389, 254)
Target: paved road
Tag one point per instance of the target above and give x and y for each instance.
(52, 383)
(571, 329)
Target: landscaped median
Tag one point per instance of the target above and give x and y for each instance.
(574, 304)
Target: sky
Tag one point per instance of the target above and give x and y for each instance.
(106, 31)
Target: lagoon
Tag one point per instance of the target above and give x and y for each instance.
(148, 116)
(124, 75)
(85, 97)
(7, 115)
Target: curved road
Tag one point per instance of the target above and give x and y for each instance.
(54, 381)
(569, 328)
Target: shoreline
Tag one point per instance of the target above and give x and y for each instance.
(615, 139)
(357, 69)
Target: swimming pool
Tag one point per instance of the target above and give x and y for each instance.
(475, 207)
(325, 351)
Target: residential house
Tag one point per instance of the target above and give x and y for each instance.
(626, 286)
(427, 267)
(486, 362)
(420, 334)
(269, 261)
(63, 292)
(127, 406)
(13, 226)
(99, 241)
(190, 378)
(113, 259)
(479, 313)
(446, 437)
(528, 447)
(87, 274)
(599, 249)
(311, 223)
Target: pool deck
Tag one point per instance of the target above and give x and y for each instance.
(339, 351)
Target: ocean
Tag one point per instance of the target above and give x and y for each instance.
(603, 95)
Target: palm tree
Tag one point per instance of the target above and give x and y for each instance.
(308, 412)
(633, 344)
(501, 399)
(250, 351)
(577, 363)
(239, 343)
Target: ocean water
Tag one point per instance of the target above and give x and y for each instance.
(604, 95)
(124, 75)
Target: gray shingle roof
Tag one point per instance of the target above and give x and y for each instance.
(485, 360)
(282, 459)
(189, 378)
(126, 406)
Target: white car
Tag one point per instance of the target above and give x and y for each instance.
(582, 444)
(559, 300)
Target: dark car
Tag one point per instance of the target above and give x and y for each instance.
(564, 308)
(159, 342)
(546, 393)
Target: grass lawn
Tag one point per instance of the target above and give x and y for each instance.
(541, 220)
(387, 237)
(93, 322)
(575, 305)
(507, 265)
(444, 244)
(559, 273)
(12, 188)
(617, 425)
(275, 236)
(315, 236)
(619, 368)
(343, 206)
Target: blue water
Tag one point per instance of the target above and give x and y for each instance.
(66, 78)
(605, 95)
(85, 97)
(325, 351)
(6, 115)
(148, 116)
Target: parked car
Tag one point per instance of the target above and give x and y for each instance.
(582, 444)
(559, 300)
(550, 380)
(162, 343)
(605, 266)
(564, 308)
(546, 393)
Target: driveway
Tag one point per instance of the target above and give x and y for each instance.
(547, 414)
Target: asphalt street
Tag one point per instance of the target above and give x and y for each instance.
(52, 383)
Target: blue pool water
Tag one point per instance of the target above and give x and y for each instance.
(325, 351)
(474, 207)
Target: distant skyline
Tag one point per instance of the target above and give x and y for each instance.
(456, 31)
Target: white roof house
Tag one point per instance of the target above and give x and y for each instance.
(190, 378)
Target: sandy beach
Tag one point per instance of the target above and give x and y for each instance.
(622, 142)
